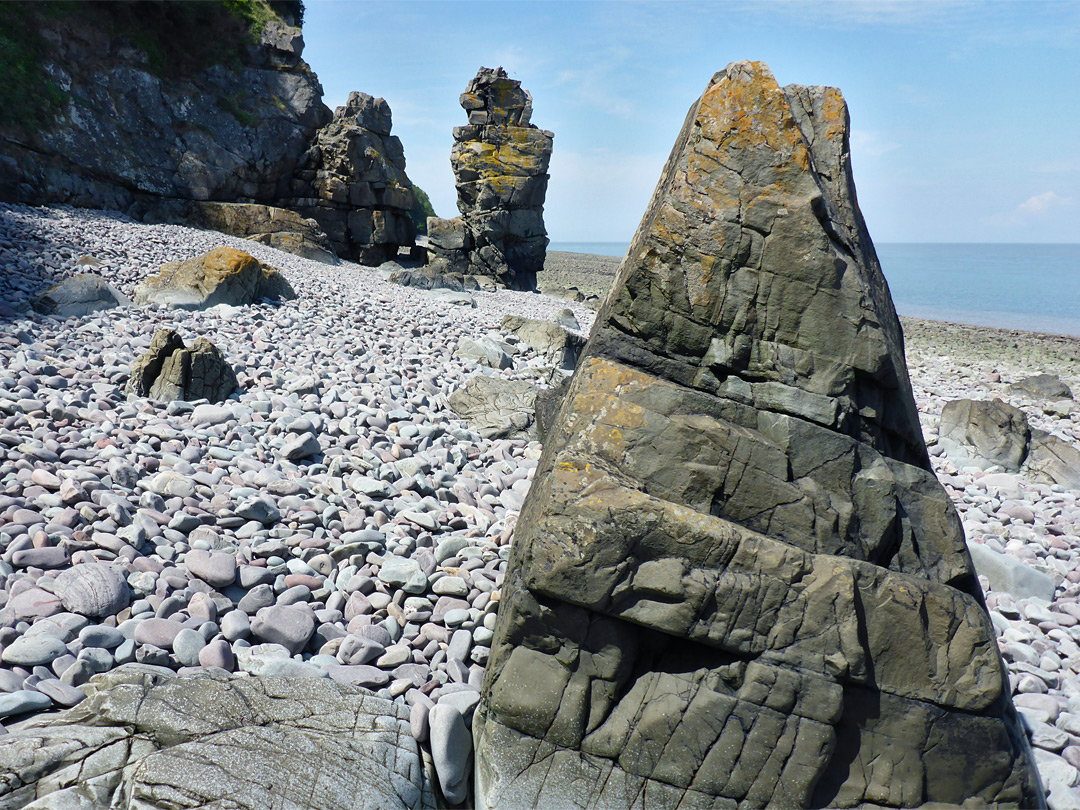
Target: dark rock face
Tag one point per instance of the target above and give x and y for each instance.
(127, 134)
(736, 582)
(146, 738)
(353, 183)
(500, 163)
(169, 371)
(177, 148)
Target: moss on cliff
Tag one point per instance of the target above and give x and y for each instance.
(179, 39)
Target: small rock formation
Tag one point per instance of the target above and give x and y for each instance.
(735, 581)
(223, 276)
(353, 183)
(80, 295)
(496, 408)
(147, 738)
(986, 433)
(168, 371)
(500, 163)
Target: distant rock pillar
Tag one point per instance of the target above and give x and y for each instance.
(500, 164)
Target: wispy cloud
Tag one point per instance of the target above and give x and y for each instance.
(867, 143)
(1042, 203)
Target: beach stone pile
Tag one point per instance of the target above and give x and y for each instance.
(352, 182)
(500, 162)
(333, 518)
(736, 580)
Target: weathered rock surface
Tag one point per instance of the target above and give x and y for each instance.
(132, 132)
(146, 738)
(169, 371)
(496, 408)
(500, 164)
(80, 295)
(550, 340)
(736, 581)
(984, 433)
(1043, 386)
(266, 224)
(223, 276)
(353, 183)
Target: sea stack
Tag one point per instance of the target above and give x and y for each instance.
(500, 163)
(736, 581)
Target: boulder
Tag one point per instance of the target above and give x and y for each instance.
(483, 351)
(497, 408)
(223, 276)
(1051, 460)
(500, 162)
(147, 738)
(985, 433)
(80, 295)
(735, 580)
(169, 371)
(549, 340)
(1008, 574)
(1047, 387)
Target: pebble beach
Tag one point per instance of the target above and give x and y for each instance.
(221, 536)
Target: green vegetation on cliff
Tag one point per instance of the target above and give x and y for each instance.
(179, 39)
(422, 210)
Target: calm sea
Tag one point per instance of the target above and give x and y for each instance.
(1032, 287)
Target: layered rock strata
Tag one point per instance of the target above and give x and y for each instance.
(500, 163)
(735, 581)
(352, 182)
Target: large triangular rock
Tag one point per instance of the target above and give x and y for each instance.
(736, 582)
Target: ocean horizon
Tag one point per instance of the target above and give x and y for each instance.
(1029, 286)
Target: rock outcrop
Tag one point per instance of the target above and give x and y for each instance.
(269, 225)
(987, 433)
(735, 581)
(497, 408)
(173, 143)
(169, 371)
(223, 276)
(353, 183)
(79, 295)
(130, 130)
(500, 163)
(147, 738)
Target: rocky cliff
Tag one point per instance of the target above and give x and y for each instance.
(155, 103)
(736, 581)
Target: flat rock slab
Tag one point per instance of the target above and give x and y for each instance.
(145, 737)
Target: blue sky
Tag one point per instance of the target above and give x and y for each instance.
(965, 115)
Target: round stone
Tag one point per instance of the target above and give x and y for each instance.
(288, 626)
(101, 635)
(187, 645)
(451, 750)
(23, 701)
(94, 589)
(31, 651)
(157, 632)
(216, 568)
(218, 653)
